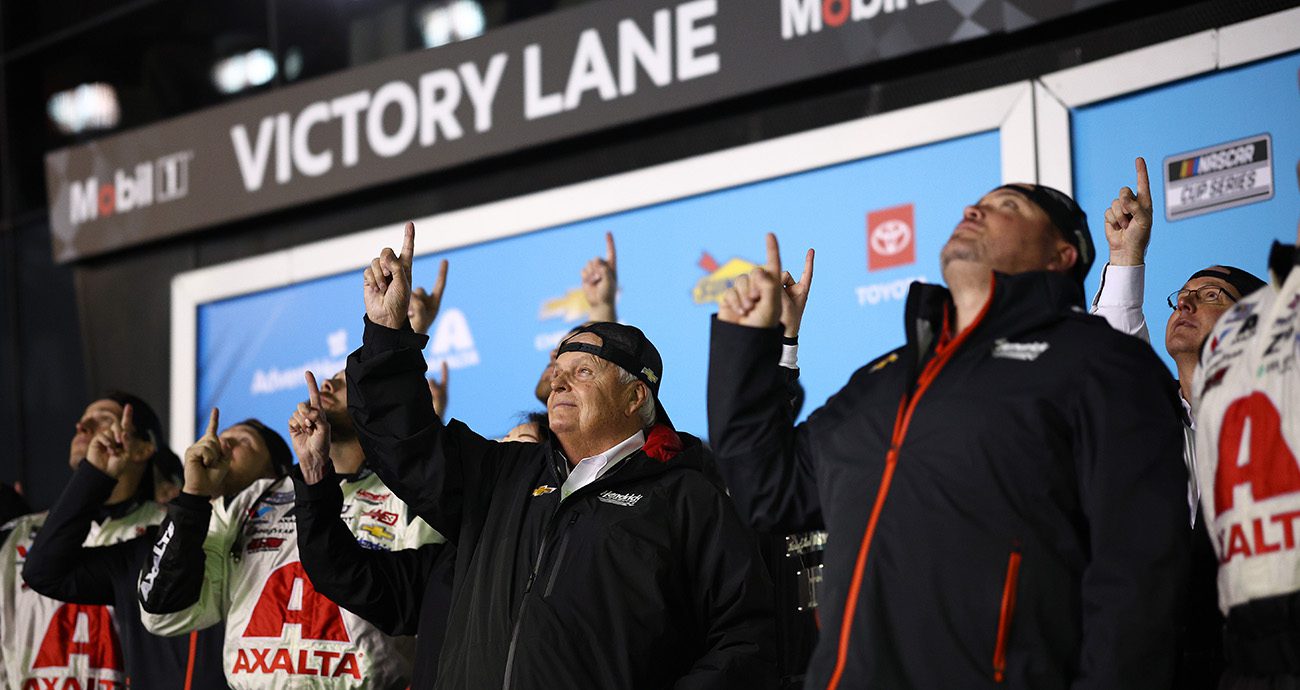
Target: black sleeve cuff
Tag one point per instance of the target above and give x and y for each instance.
(325, 490)
(190, 504)
(377, 338)
(95, 479)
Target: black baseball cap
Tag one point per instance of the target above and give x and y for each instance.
(1067, 218)
(627, 347)
(1243, 281)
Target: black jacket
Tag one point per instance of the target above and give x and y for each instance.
(59, 567)
(645, 578)
(387, 588)
(1009, 508)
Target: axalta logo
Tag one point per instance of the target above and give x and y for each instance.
(164, 179)
(84, 632)
(1256, 474)
(710, 288)
(452, 341)
(316, 662)
(891, 238)
(288, 598)
(802, 17)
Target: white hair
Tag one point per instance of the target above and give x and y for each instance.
(647, 410)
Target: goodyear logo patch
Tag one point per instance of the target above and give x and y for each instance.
(1218, 177)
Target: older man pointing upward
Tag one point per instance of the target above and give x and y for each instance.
(602, 557)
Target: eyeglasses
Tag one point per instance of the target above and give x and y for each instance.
(1209, 294)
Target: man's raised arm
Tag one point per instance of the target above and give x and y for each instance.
(1128, 232)
(751, 421)
(434, 469)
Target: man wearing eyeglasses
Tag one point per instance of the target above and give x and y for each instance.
(1195, 308)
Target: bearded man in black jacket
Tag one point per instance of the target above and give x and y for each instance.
(1005, 494)
(602, 557)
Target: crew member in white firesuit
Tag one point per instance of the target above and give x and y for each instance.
(246, 572)
(1247, 400)
(86, 642)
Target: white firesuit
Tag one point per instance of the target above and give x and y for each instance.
(1247, 394)
(46, 643)
(280, 632)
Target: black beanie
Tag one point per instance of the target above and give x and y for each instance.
(281, 456)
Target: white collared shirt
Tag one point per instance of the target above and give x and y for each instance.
(590, 469)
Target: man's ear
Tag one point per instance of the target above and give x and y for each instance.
(637, 398)
(1064, 257)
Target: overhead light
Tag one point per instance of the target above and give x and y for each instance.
(445, 22)
(244, 71)
(85, 108)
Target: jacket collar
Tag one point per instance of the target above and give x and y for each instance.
(1021, 302)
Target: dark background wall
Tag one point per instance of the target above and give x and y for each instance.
(67, 332)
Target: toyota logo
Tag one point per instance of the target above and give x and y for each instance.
(891, 237)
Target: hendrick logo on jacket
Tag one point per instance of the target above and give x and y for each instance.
(625, 500)
(1021, 352)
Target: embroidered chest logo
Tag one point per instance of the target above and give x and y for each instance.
(625, 500)
(1021, 352)
(542, 490)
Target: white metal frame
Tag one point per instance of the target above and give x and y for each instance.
(1009, 109)
(1157, 65)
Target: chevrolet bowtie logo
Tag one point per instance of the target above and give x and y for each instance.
(542, 490)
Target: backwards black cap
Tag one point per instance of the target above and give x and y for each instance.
(281, 456)
(628, 348)
(1067, 217)
(1243, 281)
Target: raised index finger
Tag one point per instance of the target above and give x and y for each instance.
(313, 391)
(1144, 182)
(611, 256)
(773, 255)
(213, 419)
(128, 420)
(408, 244)
(441, 283)
(806, 278)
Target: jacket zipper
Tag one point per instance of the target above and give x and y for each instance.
(541, 551)
(1004, 617)
(559, 557)
(906, 406)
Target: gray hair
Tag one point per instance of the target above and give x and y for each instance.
(647, 410)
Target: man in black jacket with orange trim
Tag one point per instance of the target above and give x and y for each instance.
(603, 557)
(1005, 494)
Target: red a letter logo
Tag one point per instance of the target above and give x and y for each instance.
(80, 629)
(288, 597)
(1270, 468)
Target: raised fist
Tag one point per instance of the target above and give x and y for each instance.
(309, 432)
(600, 283)
(388, 284)
(1129, 220)
(207, 461)
(755, 299)
(425, 305)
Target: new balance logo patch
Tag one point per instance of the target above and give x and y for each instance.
(1022, 352)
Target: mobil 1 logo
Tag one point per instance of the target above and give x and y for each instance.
(1218, 177)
